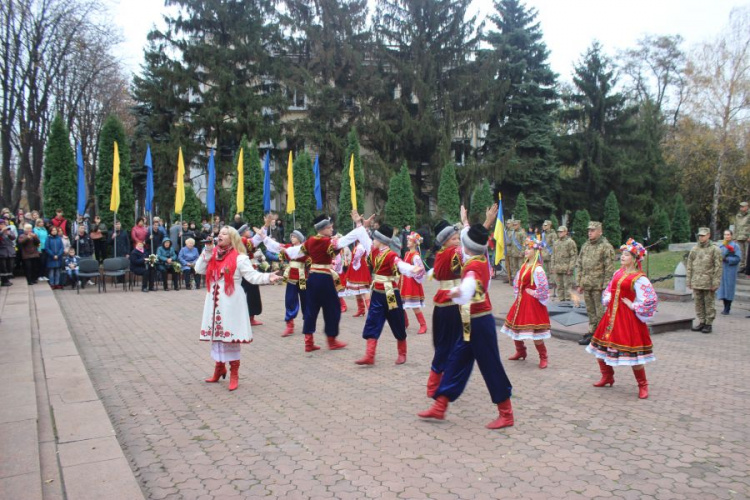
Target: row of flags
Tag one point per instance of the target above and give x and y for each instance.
(114, 204)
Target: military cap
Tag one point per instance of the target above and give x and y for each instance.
(547, 223)
(595, 225)
(562, 228)
(743, 204)
(703, 231)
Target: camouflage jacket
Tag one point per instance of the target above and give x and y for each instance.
(515, 240)
(704, 267)
(742, 226)
(595, 264)
(549, 239)
(564, 256)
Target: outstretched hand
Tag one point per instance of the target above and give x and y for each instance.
(259, 231)
(369, 220)
(464, 216)
(275, 276)
(490, 216)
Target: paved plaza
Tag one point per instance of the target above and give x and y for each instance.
(315, 425)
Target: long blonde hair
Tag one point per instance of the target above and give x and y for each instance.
(235, 240)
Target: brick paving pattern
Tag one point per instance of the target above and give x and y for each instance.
(318, 426)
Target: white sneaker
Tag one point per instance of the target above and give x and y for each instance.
(90, 283)
(43, 279)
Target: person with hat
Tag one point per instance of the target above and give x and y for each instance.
(386, 304)
(622, 337)
(548, 238)
(742, 233)
(226, 322)
(412, 292)
(359, 279)
(515, 243)
(594, 266)
(528, 318)
(479, 339)
(166, 258)
(252, 291)
(703, 277)
(563, 263)
(321, 285)
(7, 252)
(731, 256)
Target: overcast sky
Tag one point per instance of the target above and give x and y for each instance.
(569, 26)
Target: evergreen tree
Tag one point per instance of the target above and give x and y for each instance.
(599, 149)
(60, 172)
(425, 52)
(611, 221)
(112, 131)
(344, 222)
(555, 222)
(304, 196)
(448, 201)
(680, 221)
(481, 200)
(660, 227)
(521, 212)
(400, 209)
(579, 231)
(521, 102)
(253, 174)
(193, 209)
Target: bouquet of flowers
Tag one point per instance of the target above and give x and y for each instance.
(152, 260)
(176, 267)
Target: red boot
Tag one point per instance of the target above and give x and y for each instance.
(255, 322)
(433, 382)
(505, 419)
(422, 323)
(367, 305)
(343, 304)
(406, 320)
(334, 344)
(220, 371)
(234, 376)
(437, 410)
(310, 343)
(360, 307)
(640, 376)
(608, 374)
(401, 352)
(542, 355)
(289, 328)
(369, 357)
(520, 351)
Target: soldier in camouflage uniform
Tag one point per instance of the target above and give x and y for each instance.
(594, 269)
(563, 263)
(703, 276)
(514, 248)
(742, 232)
(548, 238)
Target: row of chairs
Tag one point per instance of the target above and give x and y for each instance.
(114, 268)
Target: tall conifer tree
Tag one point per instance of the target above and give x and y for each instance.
(400, 209)
(112, 131)
(521, 212)
(448, 201)
(343, 215)
(60, 172)
(611, 220)
(580, 227)
(253, 174)
(681, 221)
(481, 200)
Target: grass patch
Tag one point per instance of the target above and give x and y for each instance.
(661, 264)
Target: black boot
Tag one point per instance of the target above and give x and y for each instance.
(586, 340)
(698, 328)
(726, 307)
(707, 329)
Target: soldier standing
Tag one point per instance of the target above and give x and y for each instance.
(563, 262)
(594, 268)
(548, 238)
(515, 248)
(742, 232)
(703, 276)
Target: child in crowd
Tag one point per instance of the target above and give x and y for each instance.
(71, 266)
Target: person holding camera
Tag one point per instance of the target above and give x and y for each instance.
(7, 252)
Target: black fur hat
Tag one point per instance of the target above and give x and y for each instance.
(476, 238)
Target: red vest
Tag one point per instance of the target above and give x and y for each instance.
(447, 267)
(480, 304)
(293, 272)
(384, 264)
(321, 251)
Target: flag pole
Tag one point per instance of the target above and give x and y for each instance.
(115, 246)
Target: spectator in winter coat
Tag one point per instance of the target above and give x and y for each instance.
(155, 238)
(120, 241)
(175, 231)
(82, 243)
(71, 267)
(165, 259)
(60, 222)
(55, 251)
(139, 266)
(7, 252)
(28, 245)
(41, 233)
(188, 257)
(139, 232)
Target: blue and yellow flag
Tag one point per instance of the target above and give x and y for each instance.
(499, 234)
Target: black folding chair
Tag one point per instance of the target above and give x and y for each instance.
(88, 268)
(115, 268)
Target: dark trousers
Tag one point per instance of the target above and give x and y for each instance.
(100, 249)
(379, 313)
(321, 294)
(6, 268)
(292, 299)
(446, 330)
(165, 272)
(483, 348)
(30, 269)
(190, 273)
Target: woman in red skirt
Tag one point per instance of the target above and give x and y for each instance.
(359, 279)
(528, 318)
(622, 337)
(341, 267)
(412, 293)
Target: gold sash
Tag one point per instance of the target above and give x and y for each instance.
(448, 284)
(328, 269)
(479, 295)
(302, 281)
(390, 294)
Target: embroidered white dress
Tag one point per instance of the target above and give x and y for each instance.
(226, 321)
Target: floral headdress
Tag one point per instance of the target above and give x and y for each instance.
(636, 249)
(415, 237)
(534, 243)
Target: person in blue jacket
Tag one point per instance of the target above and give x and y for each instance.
(55, 251)
(165, 261)
(188, 257)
